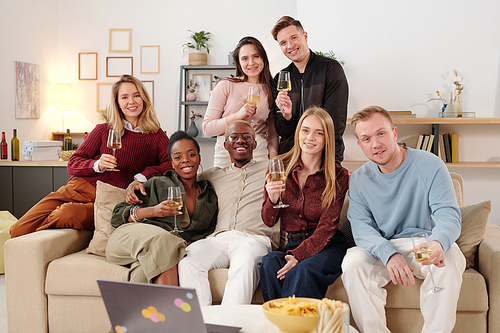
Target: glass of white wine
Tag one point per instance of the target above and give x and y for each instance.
(114, 142)
(277, 174)
(423, 249)
(284, 83)
(253, 97)
(174, 194)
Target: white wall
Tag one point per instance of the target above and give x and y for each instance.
(397, 54)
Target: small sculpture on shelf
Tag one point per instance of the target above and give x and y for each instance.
(191, 87)
(193, 129)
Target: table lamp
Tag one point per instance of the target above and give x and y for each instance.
(60, 95)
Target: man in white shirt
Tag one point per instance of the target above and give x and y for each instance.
(240, 239)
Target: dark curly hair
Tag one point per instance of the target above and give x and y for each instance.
(181, 135)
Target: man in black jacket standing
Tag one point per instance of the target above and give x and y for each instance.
(316, 80)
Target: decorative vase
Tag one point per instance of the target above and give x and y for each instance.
(191, 97)
(457, 100)
(193, 130)
(230, 60)
(197, 57)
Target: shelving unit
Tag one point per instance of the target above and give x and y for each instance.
(443, 121)
(185, 106)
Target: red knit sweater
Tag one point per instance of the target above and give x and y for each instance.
(140, 153)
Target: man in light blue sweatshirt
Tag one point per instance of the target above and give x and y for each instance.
(400, 192)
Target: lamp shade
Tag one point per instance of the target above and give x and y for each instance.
(60, 94)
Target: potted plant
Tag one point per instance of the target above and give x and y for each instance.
(330, 54)
(197, 54)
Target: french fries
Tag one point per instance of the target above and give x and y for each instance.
(331, 316)
(292, 307)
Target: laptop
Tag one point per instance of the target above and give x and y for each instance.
(142, 307)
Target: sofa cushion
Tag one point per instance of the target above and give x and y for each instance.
(107, 197)
(76, 274)
(474, 219)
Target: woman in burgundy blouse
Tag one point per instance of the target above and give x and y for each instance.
(142, 156)
(315, 191)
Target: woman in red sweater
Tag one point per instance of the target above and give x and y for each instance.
(142, 156)
(315, 191)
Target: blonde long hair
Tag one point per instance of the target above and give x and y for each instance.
(148, 120)
(328, 157)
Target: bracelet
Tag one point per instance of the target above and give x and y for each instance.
(133, 214)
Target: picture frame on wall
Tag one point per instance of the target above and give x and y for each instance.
(103, 95)
(204, 84)
(150, 59)
(150, 87)
(120, 40)
(118, 66)
(87, 66)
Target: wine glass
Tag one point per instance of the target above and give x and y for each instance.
(277, 174)
(174, 194)
(284, 83)
(253, 97)
(114, 142)
(423, 248)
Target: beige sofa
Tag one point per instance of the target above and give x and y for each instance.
(50, 285)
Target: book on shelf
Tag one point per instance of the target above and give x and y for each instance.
(447, 147)
(419, 141)
(41, 157)
(454, 148)
(398, 113)
(46, 143)
(425, 142)
(43, 150)
(430, 143)
(413, 115)
(442, 153)
(435, 144)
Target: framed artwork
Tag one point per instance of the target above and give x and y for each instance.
(150, 87)
(150, 59)
(117, 66)
(103, 94)
(27, 90)
(204, 83)
(120, 40)
(87, 66)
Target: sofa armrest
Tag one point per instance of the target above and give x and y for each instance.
(26, 261)
(488, 264)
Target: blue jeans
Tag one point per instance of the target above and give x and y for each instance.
(310, 277)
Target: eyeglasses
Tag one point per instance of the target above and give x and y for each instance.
(235, 137)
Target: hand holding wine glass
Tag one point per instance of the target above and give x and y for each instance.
(422, 247)
(174, 195)
(253, 97)
(284, 85)
(277, 174)
(114, 143)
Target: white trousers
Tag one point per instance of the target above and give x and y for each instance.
(364, 277)
(239, 251)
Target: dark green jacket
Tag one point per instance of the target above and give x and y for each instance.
(201, 224)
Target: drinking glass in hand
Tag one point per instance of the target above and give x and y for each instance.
(422, 248)
(284, 83)
(277, 174)
(174, 194)
(253, 97)
(114, 142)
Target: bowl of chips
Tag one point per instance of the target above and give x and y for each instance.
(292, 314)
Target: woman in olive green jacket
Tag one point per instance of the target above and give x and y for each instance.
(143, 239)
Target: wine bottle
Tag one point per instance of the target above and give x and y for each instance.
(4, 147)
(85, 135)
(68, 142)
(14, 143)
